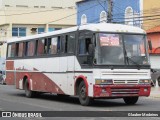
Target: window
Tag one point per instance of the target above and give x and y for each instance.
(36, 6)
(40, 30)
(42, 6)
(71, 43)
(103, 16)
(21, 47)
(22, 6)
(51, 29)
(53, 45)
(19, 50)
(85, 41)
(11, 50)
(18, 32)
(42, 47)
(58, 28)
(30, 48)
(83, 19)
(7, 5)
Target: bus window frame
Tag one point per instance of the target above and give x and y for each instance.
(47, 55)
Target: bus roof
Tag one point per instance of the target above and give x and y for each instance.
(100, 27)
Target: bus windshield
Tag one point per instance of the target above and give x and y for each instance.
(121, 49)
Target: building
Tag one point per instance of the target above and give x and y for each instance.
(21, 18)
(153, 35)
(122, 11)
(151, 23)
(151, 15)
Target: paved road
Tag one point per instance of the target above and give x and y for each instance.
(12, 99)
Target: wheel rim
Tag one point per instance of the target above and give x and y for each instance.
(83, 92)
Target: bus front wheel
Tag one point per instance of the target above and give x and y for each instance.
(130, 100)
(28, 92)
(83, 98)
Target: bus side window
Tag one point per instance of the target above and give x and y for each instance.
(53, 45)
(21, 49)
(30, 48)
(11, 50)
(84, 41)
(71, 43)
(42, 47)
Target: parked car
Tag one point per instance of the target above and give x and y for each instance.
(155, 75)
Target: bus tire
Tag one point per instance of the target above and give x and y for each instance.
(158, 80)
(83, 98)
(130, 100)
(28, 92)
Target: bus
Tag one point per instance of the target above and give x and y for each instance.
(91, 61)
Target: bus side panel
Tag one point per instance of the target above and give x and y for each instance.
(10, 72)
(39, 82)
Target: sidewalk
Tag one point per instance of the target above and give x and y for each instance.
(155, 92)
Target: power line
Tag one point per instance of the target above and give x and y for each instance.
(33, 12)
(72, 14)
(102, 6)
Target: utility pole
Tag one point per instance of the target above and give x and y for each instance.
(110, 6)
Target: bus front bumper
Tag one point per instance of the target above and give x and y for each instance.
(114, 91)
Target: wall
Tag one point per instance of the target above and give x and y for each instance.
(154, 60)
(46, 3)
(155, 38)
(151, 7)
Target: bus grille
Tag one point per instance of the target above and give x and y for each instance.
(125, 92)
(125, 82)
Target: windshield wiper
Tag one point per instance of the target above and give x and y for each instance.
(138, 65)
(128, 58)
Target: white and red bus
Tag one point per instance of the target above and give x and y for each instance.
(90, 61)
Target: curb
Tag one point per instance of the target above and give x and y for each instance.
(155, 96)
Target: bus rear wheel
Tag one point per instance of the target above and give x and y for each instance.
(130, 100)
(83, 98)
(28, 92)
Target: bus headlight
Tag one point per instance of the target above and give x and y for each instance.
(104, 81)
(144, 81)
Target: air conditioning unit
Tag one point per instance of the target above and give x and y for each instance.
(33, 30)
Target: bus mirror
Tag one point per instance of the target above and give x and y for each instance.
(150, 45)
(91, 49)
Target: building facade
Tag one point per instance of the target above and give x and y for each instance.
(21, 18)
(151, 14)
(123, 11)
(153, 35)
